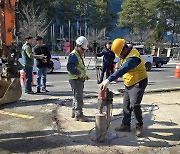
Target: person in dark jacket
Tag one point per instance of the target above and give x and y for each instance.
(108, 58)
(42, 64)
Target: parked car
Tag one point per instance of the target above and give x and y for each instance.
(159, 61)
(55, 60)
(148, 59)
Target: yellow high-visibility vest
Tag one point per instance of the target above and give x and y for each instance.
(138, 73)
(80, 66)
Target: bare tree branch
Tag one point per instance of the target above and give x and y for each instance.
(33, 22)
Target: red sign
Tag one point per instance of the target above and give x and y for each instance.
(67, 47)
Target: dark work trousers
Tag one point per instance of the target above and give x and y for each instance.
(105, 68)
(77, 87)
(131, 102)
(28, 71)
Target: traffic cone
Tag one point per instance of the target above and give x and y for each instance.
(177, 71)
(23, 78)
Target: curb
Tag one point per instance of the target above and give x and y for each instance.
(162, 90)
(146, 92)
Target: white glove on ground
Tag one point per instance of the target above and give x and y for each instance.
(104, 84)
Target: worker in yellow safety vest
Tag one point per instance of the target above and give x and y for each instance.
(77, 76)
(135, 79)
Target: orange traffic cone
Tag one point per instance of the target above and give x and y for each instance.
(23, 78)
(177, 71)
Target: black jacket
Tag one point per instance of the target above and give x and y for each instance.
(109, 56)
(42, 50)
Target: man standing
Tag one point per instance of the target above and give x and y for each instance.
(28, 62)
(42, 64)
(108, 59)
(77, 76)
(135, 79)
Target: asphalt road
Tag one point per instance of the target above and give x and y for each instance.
(158, 78)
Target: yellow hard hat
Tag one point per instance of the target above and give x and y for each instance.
(117, 46)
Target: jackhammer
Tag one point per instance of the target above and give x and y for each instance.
(105, 98)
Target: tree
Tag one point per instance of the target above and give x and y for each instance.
(99, 15)
(173, 18)
(94, 11)
(47, 6)
(134, 16)
(32, 21)
(153, 16)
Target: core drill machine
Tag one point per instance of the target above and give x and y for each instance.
(105, 98)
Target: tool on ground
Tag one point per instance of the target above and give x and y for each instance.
(105, 98)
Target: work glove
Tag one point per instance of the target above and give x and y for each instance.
(81, 75)
(87, 77)
(104, 84)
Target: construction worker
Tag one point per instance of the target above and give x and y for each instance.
(28, 62)
(77, 76)
(108, 59)
(135, 78)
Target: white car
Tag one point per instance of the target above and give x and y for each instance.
(148, 59)
(56, 64)
(55, 60)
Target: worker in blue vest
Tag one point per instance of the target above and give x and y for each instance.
(77, 76)
(135, 79)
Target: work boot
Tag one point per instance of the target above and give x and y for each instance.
(138, 131)
(123, 128)
(73, 115)
(82, 118)
(45, 90)
(38, 91)
(30, 92)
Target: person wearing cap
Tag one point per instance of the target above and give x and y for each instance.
(28, 62)
(42, 64)
(108, 59)
(77, 76)
(135, 79)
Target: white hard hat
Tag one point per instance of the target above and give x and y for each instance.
(83, 42)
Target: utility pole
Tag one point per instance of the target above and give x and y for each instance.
(70, 34)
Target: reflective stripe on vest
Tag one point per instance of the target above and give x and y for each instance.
(80, 66)
(138, 73)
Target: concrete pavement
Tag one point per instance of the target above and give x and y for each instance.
(161, 127)
(161, 124)
(161, 132)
